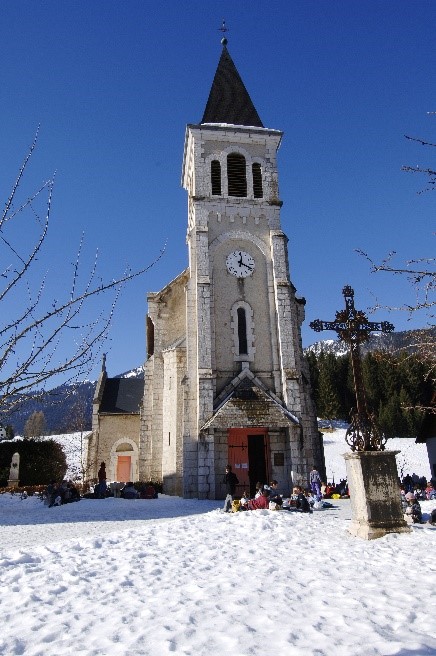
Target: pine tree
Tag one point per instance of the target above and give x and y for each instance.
(328, 402)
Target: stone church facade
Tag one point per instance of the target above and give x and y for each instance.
(225, 380)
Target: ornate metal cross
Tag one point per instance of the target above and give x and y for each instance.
(353, 327)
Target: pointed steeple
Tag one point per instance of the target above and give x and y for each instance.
(229, 101)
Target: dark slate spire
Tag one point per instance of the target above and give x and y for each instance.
(229, 101)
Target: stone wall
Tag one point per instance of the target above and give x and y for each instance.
(114, 429)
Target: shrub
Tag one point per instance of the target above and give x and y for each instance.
(40, 462)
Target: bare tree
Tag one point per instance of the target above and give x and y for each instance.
(421, 276)
(78, 421)
(35, 425)
(36, 330)
(428, 172)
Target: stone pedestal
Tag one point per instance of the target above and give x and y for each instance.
(13, 482)
(375, 494)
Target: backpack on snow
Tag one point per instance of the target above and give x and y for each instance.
(236, 504)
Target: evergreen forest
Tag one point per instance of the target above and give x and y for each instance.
(396, 387)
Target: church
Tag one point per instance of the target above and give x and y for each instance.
(225, 379)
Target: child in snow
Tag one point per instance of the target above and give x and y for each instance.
(302, 503)
(413, 511)
(273, 491)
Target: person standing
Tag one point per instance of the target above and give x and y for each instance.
(101, 494)
(315, 484)
(231, 481)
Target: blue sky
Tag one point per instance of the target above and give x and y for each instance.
(113, 85)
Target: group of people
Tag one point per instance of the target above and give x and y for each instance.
(419, 486)
(414, 489)
(412, 509)
(268, 496)
(57, 494)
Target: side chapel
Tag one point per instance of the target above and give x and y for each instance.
(225, 380)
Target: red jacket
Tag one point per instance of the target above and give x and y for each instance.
(259, 503)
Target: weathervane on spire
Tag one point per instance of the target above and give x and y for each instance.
(224, 29)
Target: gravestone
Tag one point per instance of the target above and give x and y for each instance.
(14, 472)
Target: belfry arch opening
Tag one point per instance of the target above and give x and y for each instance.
(236, 175)
(215, 177)
(257, 180)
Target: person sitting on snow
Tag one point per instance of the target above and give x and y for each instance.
(413, 512)
(259, 489)
(259, 503)
(273, 491)
(129, 491)
(244, 500)
(302, 503)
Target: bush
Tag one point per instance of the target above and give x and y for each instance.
(29, 489)
(40, 462)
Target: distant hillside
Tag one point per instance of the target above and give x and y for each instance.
(390, 342)
(63, 407)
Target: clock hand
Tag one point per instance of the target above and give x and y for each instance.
(247, 265)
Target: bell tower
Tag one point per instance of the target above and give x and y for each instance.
(247, 397)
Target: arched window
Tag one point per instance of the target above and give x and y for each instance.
(242, 331)
(215, 177)
(257, 180)
(236, 175)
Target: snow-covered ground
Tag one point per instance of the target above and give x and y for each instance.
(170, 576)
(413, 458)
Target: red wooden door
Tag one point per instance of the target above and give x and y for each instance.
(239, 447)
(124, 468)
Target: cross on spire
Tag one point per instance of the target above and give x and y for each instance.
(354, 328)
(224, 29)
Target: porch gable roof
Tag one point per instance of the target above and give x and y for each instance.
(246, 401)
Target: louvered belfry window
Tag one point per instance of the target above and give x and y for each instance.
(257, 180)
(215, 176)
(242, 331)
(236, 175)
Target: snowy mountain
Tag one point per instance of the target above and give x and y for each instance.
(63, 407)
(391, 342)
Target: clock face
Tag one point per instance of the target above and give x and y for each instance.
(240, 264)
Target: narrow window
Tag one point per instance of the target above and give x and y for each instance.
(215, 176)
(169, 439)
(236, 175)
(257, 180)
(242, 331)
(150, 337)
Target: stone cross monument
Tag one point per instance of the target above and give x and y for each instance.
(371, 471)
